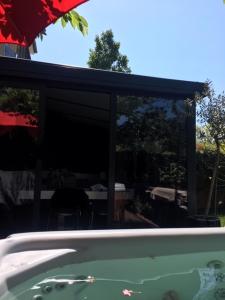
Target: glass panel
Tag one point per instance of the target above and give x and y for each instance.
(75, 160)
(19, 128)
(151, 172)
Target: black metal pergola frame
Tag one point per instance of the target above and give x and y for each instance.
(40, 76)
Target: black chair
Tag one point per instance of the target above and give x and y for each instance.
(100, 214)
(6, 221)
(69, 209)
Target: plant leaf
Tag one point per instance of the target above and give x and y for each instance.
(63, 22)
(74, 19)
(84, 21)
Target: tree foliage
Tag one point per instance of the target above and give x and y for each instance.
(211, 116)
(74, 19)
(106, 54)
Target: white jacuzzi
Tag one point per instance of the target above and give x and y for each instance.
(159, 264)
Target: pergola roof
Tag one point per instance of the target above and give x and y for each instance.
(30, 71)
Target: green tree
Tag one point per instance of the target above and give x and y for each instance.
(106, 54)
(211, 116)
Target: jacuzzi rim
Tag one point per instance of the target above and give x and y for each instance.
(110, 233)
(44, 240)
(57, 240)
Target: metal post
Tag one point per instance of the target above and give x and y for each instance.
(112, 153)
(191, 162)
(38, 169)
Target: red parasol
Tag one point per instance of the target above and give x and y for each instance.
(10, 120)
(22, 20)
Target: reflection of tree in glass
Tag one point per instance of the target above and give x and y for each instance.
(153, 128)
(171, 174)
(21, 101)
(148, 124)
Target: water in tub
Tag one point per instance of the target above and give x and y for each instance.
(197, 276)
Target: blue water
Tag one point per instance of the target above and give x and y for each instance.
(197, 276)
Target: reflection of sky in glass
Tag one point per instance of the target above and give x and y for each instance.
(158, 104)
(167, 106)
(122, 120)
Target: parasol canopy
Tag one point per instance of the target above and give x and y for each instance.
(22, 20)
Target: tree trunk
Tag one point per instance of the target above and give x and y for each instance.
(213, 181)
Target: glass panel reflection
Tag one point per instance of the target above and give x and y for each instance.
(19, 123)
(151, 160)
(75, 160)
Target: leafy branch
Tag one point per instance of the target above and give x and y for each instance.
(74, 19)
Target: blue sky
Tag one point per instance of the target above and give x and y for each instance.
(180, 39)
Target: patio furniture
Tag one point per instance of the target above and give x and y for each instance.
(69, 209)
